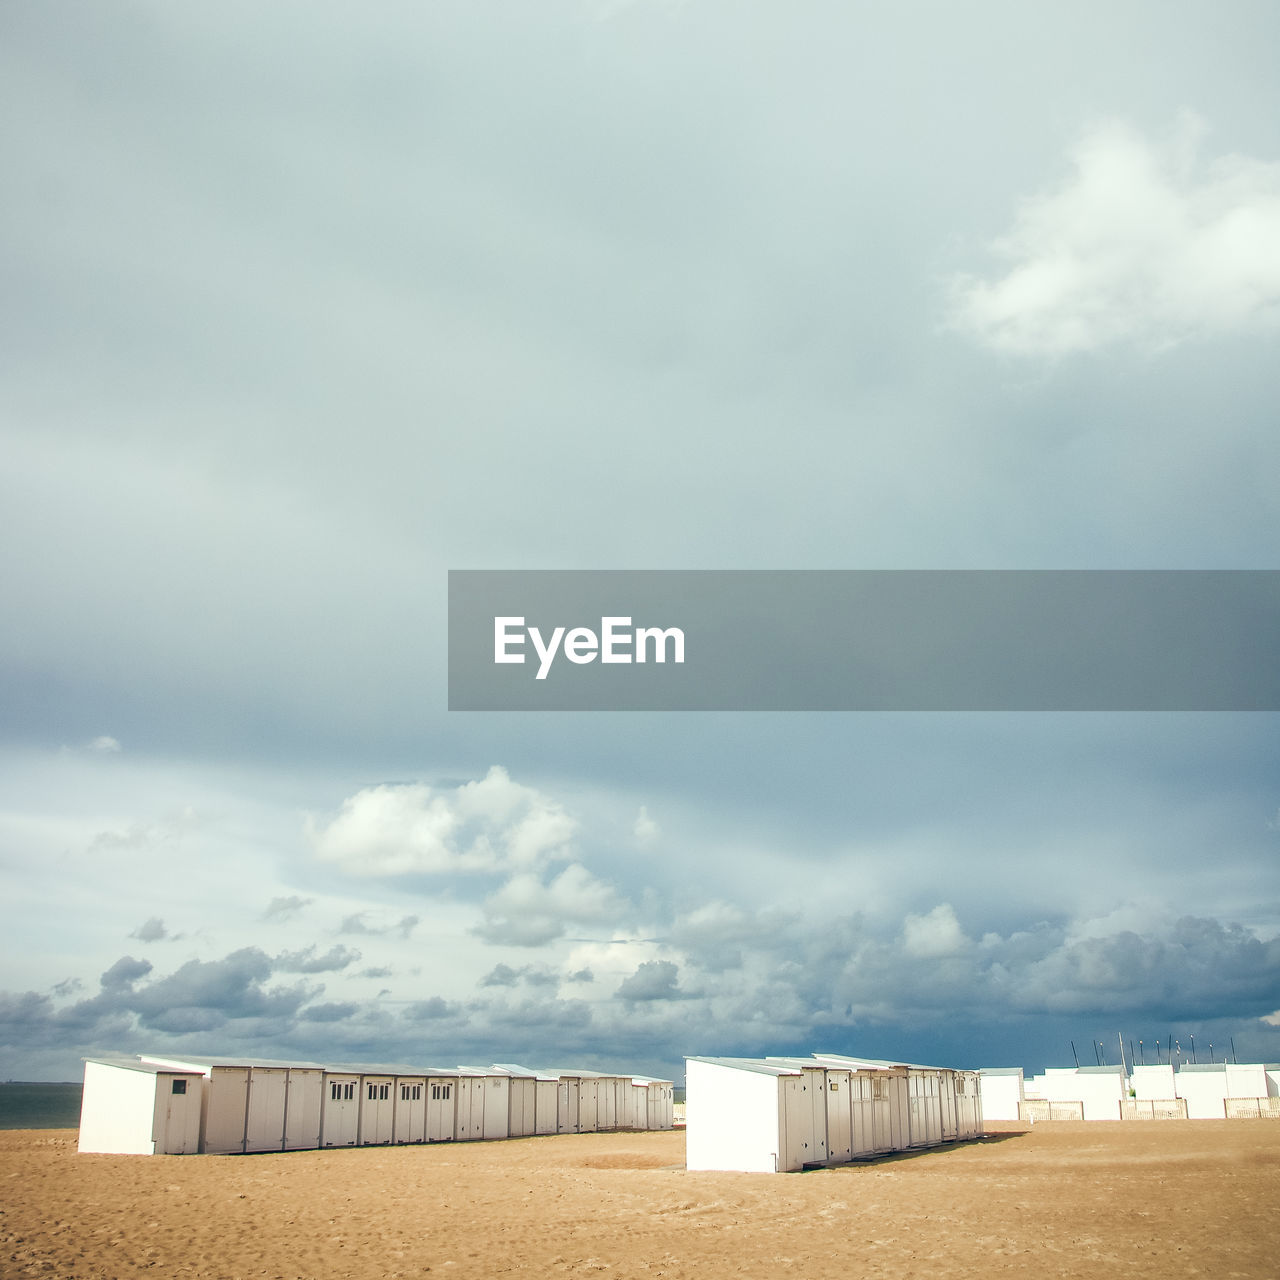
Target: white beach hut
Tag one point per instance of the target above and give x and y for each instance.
(545, 1098)
(1002, 1091)
(747, 1115)
(968, 1095)
(469, 1116)
(1208, 1088)
(882, 1093)
(1098, 1090)
(255, 1104)
(131, 1107)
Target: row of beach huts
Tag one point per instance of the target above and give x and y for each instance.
(779, 1114)
(1194, 1091)
(175, 1106)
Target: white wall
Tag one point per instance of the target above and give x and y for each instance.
(1154, 1083)
(1205, 1093)
(1001, 1094)
(117, 1110)
(1099, 1091)
(732, 1118)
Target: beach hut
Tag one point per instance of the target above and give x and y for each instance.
(1001, 1093)
(661, 1100)
(1098, 1090)
(750, 1115)
(635, 1103)
(131, 1107)
(497, 1106)
(523, 1116)
(884, 1098)
(1209, 1087)
(469, 1117)
(567, 1092)
(255, 1104)
(968, 1102)
(545, 1090)
(522, 1105)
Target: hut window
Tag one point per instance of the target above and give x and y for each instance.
(349, 1091)
(373, 1092)
(879, 1090)
(179, 1086)
(833, 1085)
(960, 1086)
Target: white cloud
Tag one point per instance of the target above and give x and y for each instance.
(527, 912)
(490, 825)
(1138, 244)
(105, 745)
(934, 935)
(646, 830)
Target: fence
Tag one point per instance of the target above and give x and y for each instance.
(1153, 1109)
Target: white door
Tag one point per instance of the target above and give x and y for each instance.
(839, 1117)
(228, 1093)
(340, 1123)
(377, 1110)
(411, 1110)
(267, 1090)
(302, 1109)
(442, 1110)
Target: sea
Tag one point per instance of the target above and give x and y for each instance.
(39, 1105)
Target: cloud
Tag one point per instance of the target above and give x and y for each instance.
(431, 1010)
(334, 1011)
(934, 935)
(526, 912)
(124, 973)
(646, 830)
(104, 745)
(652, 980)
(285, 908)
(503, 975)
(1136, 245)
(138, 836)
(491, 825)
(152, 930)
(306, 961)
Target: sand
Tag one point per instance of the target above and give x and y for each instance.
(1078, 1200)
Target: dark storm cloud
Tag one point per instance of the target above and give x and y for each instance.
(652, 980)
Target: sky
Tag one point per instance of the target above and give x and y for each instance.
(304, 306)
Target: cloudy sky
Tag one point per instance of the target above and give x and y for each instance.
(304, 306)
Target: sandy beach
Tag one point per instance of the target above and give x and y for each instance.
(1069, 1200)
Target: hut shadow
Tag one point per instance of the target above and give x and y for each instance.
(897, 1157)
